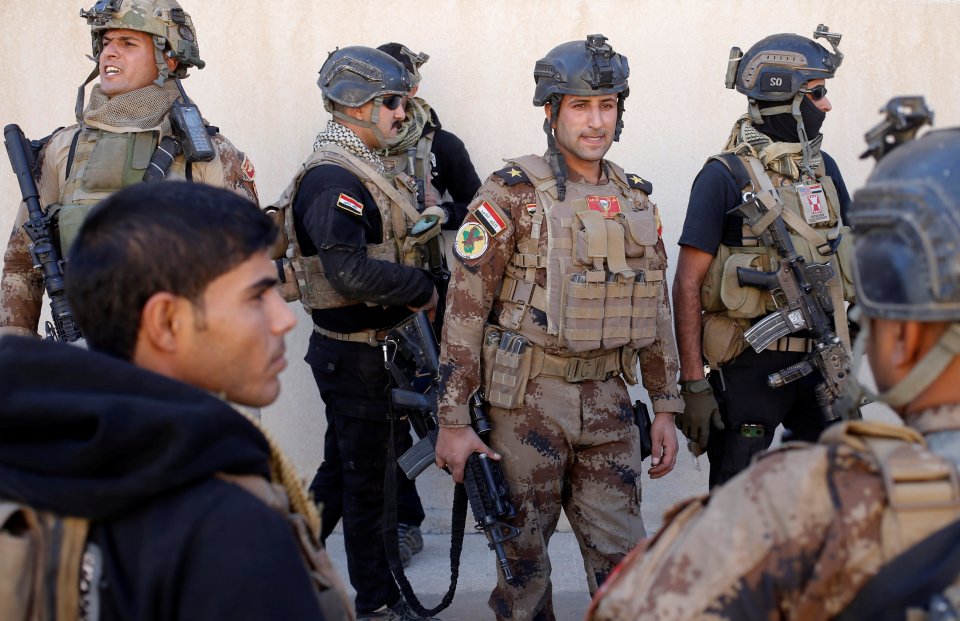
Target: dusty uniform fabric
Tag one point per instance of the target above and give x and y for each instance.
(802, 530)
(570, 445)
(107, 158)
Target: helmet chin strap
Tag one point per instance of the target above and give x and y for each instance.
(557, 162)
(793, 109)
(920, 376)
(382, 141)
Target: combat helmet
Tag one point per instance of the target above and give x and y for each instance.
(586, 68)
(352, 76)
(411, 61)
(777, 68)
(170, 26)
(907, 223)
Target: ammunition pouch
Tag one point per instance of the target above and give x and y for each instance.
(505, 364)
(722, 338)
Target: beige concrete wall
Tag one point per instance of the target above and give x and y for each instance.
(263, 57)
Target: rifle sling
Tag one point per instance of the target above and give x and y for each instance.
(391, 544)
(816, 241)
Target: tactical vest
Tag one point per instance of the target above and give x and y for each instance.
(814, 223)
(102, 164)
(422, 163)
(304, 275)
(603, 275)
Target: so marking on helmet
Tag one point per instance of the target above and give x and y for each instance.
(352, 76)
(174, 35)
(777, 67)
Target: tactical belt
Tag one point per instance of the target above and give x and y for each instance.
(793, 344)
(373, 338)
(574, 369)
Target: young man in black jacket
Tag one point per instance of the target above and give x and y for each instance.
(174, 289)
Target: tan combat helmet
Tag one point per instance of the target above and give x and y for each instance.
(171, 27)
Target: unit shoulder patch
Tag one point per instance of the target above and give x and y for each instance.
(639, 183)
(472, 241)
(247, 170)
(350, 205)
(512, 175)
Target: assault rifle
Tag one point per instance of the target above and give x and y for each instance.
(802, 296)
(414, 367)
(44, 253)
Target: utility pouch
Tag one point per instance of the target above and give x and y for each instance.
(617, 315)
(69, 220)
(582, 304)
(710, 289)
(640, 232)
(287, 287)
(647, 288)
(742, 302)
(506, 361)
(723, 338)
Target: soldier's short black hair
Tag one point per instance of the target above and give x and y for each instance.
(170, 236)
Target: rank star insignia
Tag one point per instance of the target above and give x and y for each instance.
(637, 180)
(513, 172)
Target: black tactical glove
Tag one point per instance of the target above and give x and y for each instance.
(700, 410)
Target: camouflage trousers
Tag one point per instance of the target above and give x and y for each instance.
(573, 447)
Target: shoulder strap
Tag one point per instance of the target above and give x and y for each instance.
(737, 168)
(910, 580)
(923, 493)
(40, 551)
(73, 150)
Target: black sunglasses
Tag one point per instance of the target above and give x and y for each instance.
(393, 101)
(818, 92)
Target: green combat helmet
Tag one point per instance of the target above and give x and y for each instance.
(352, 76)
(587, 68)
(171, 27)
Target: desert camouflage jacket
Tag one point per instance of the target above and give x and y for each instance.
(21, 286)
(474, 286)
(795, 536)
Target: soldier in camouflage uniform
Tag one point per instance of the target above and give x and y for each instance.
(142, 49)
(801, 531)
(557, 286)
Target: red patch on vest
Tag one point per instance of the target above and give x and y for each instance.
(247, 169)
(609, 206)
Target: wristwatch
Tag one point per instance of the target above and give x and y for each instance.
(695, 386)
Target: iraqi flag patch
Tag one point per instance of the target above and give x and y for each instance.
(350, 205)
(490, 218)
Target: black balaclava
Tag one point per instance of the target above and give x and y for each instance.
(783, 127)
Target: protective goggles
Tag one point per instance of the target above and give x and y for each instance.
(393, 101)
(818, 92)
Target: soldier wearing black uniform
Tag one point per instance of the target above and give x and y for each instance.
(350, 224)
